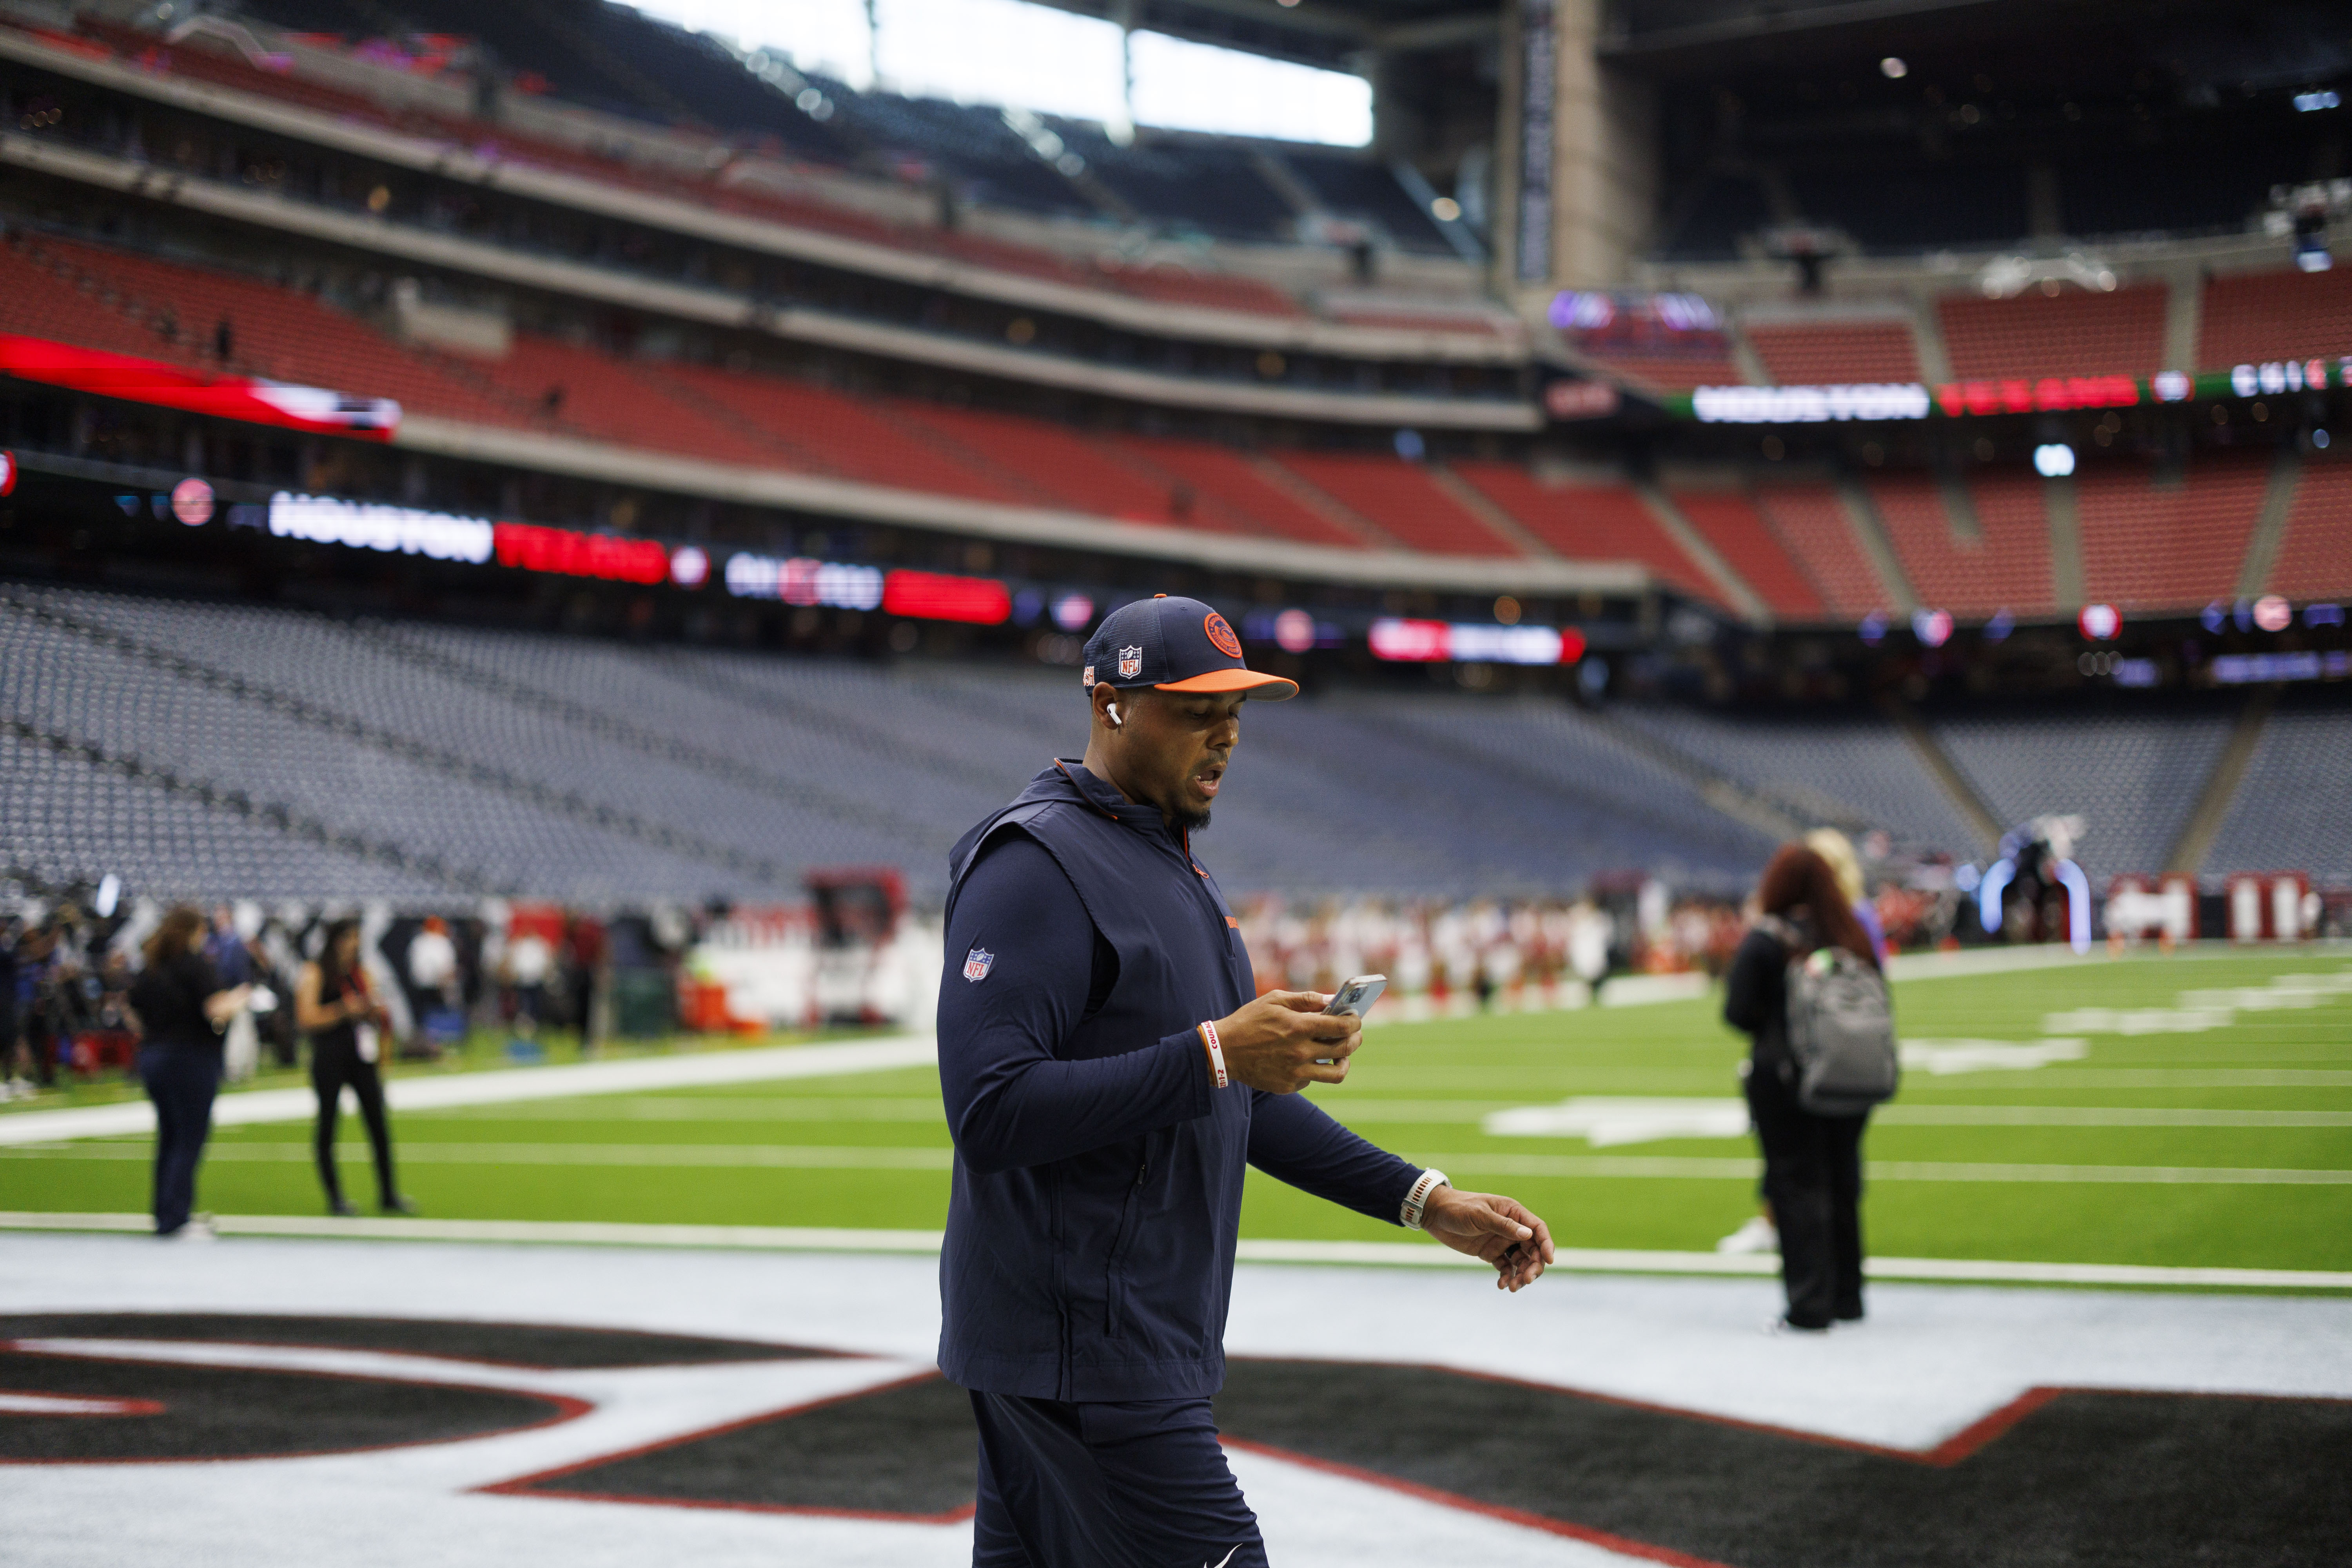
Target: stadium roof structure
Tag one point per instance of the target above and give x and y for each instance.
(1328, 33)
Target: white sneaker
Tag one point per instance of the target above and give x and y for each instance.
(198, 1229)
(1759, 1234)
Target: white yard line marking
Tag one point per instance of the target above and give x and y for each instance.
(426, 1151)
(1940, 1059)
(506, 1086)
(1412, 1254)
(1603, 1122)
(1746, 1168)
(886, 1157)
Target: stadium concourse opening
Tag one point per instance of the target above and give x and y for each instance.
(597, 499)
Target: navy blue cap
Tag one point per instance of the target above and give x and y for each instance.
(1174, 645)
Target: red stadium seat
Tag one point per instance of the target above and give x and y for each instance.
(1729, 521)
(1590, 523)
(1835, 354)
(1813, 525)
(2169, 547)
(2006, 568)
(1400, 499)
(2315, 560)
(2253, 317)
(2071, 334)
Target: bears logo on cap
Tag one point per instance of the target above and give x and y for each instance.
(1222, 634)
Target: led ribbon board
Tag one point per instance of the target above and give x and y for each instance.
(248, 398)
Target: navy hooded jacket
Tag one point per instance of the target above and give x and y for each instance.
(1097, 1186)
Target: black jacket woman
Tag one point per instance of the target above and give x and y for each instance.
(334, 1006)
(1813, 1165)
(181, 1010)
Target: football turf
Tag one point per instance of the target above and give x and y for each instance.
(2204, 1117)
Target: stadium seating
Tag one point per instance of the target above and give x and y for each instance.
(2134, 778)
(2315, 558)
(1400, 499)
(1831, 354)
(994, 165)
(593, 771)
(1670, 372)
(1231, 490)
(1852, 770)
(819, 430)
(72, 820)
(2007, 567)
(1730, 522)
(219, 750)
(1812, 524)
(2068, 333)
(2253, 317)
(136, 305)
(1589, 522)
(2288, 814)
(122, 301)
(2147, 546)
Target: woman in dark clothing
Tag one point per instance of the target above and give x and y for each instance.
(1813, 1165)
(181, 1010)
(333, 1004)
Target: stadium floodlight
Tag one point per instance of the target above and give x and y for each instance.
(1932, 627)
(1893, 68)
(1073, 612)
(2006, 277)
(2273, 613)
(689, 566)
(2100, 622)
(2053, 461)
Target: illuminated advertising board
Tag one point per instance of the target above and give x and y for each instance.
(1434, 642)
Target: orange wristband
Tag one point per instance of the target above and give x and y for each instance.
(1216, 1053)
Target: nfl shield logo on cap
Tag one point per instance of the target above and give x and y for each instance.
(977, 963)
(1130, 663)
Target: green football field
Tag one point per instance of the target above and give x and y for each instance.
(2188, 1110)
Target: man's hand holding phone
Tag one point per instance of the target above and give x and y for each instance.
(1284, 1040)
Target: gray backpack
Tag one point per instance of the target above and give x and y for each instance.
(1840, 1028)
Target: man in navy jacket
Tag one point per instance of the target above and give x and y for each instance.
(1110, 1071)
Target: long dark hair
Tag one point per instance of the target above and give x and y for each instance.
(169, 939)
(332, 975)
(1798, 878)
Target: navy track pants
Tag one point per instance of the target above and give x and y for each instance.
(1109, 1484)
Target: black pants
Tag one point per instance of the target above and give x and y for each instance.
(1812, 1178)
(182, 1082)
(1126, 1484)
(333, 1064)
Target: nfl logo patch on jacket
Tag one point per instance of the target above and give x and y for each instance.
(977, 963)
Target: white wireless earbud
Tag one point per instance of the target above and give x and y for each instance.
(1110, 711)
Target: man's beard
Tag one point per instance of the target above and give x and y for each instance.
(1188, 822)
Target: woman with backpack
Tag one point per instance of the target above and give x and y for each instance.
(1811, 1133)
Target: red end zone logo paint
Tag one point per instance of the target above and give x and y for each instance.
(1222, 634)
